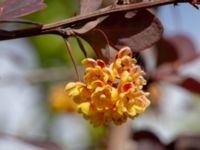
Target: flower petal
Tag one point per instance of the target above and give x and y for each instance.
(89, 62)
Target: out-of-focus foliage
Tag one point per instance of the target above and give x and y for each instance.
(50, 48)
(97, 134)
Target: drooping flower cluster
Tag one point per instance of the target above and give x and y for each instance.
(110, 93)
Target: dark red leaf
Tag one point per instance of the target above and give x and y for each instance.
(97, 41)
(147, 140)
(165, 52)
(87, 6)
(17, 8)
(176, 48)
(88, 26)
(187, 142)
(81, 46)
(44, 144)
(164, 71)
(92, 35)
(190, 84)
(184, 47)
(137, 30)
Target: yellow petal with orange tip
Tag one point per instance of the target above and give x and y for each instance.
(95, 84)
(89, 62)
(141, 104)
(131, 111)
(101, 63)
(126, 51)
(84, 108)
(70, 86)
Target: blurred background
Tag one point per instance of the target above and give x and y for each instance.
(34, 113)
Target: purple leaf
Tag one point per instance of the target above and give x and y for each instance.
(177, 48)
(187, 142)
(165, 52)
(97, 41)
(164, 71)
(81, 46)
(87, 6)
(47, 145)
(148, 140)
(137, 30)
(10, 9)
(184, 47)
(190, 84)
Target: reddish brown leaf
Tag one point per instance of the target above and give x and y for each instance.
(191, 85)
(164, 71)
(187, 142)
(87, 6)
(43, 144)
(138, 31)
(89, 26)
(176, 48)
(165, 52)
(147, 140)
(17, 8)
(81, 46)
(185, 48)
(97, 41)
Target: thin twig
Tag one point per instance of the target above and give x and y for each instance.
(69, 49)
(108, 11)
(21, 21)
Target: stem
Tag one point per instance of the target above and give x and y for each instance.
(110, 10)
(69, 49)
(56, 27)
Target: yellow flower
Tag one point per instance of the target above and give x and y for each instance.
(104, 97)
(110, 93)
(132, 102)
(97, 70)
(95, 117)
(123, 61)
(60, 100)
(78, 91)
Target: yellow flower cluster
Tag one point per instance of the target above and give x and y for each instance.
(110, 93)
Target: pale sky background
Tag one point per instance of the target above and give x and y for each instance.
(183, 18)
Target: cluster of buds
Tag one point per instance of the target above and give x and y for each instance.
(110, 93)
